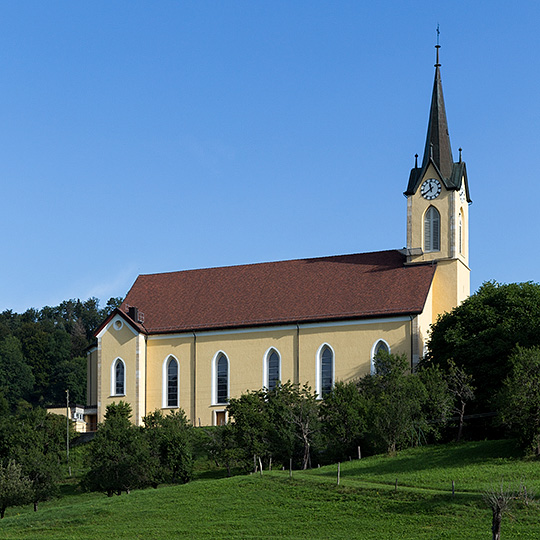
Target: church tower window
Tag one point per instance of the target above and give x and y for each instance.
(432, 230)
(460, 231)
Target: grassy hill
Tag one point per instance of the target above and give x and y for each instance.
(311, 505)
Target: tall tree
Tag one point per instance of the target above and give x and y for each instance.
(344, 419)
(520, 397)
(68, 375)
(481, 333)
(396, 400)
(16, 378)
(293, 416)
(170, 440)
(251, 426)
(460, 384)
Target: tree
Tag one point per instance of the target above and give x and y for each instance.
(16, 379)
(44, 473)
(251, 424)
(396, 402)
(294, 417)
(221, 444)
(500, 501)
(281, 423)
(461, 387)
(15, 488)
(170, 441)
(119, 458)
(35, 345)
(344, 420)
(438, 402)
(480, 335)
(36, 441)
(520, 397)
(68, 375)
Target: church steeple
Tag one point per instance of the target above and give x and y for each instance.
(438, 140)
(438, 208)
(438, 193)
(437, 151)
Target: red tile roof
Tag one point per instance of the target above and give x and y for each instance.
(343, 287)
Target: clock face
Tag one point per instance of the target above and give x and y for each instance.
(430, 189)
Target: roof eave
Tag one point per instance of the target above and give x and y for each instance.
(296, 321)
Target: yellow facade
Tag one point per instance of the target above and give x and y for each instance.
(298, 347)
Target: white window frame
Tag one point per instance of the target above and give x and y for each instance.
(214, 378)
(113, 376)
(165, 383)
(266, 359)
(373, 349)
(318, 369)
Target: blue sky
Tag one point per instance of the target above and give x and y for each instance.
(140, 137)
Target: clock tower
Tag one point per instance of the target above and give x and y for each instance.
(438, 209)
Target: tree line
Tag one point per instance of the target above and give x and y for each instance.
(42, 352)
(483, 358)
(289, 426)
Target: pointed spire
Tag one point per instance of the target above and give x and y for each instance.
(438, 140)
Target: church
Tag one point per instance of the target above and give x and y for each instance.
(192, 339)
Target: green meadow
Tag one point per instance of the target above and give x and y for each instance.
(365, 504)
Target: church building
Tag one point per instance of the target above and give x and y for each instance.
(192, 339)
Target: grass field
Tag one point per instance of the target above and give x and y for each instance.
(365, 505)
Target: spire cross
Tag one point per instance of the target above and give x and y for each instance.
(438, 47)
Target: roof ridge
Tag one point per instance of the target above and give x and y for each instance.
(320, 258)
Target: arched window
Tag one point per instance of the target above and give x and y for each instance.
(380, 346)
(172, 382)
(272, 369)
(222, 379)
(119, 378)
(432, 230)
(460, 231)
(325, 371)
